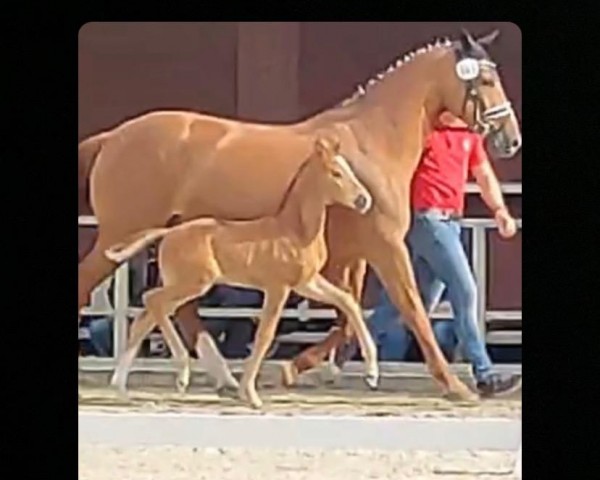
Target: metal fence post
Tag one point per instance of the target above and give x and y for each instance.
(480, 273)
(121, 298)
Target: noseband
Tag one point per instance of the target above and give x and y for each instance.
(468, 70)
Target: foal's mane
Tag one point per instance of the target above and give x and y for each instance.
(290, 188)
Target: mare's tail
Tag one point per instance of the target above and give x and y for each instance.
(88, 151)
(134, 243)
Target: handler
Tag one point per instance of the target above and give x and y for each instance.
(438, 191)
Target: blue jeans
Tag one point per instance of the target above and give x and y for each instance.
(101, 336)
(397, 343)
(440, 261)
(238, 333)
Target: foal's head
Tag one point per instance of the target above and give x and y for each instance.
(335, 177)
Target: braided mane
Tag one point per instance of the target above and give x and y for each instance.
(361, 90)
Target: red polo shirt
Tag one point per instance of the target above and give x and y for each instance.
(450, 154)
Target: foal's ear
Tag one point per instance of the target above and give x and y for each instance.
(489, 38)
(327, 146)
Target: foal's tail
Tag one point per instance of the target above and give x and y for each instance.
(134, 243)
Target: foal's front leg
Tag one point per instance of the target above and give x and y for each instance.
(268, 319)
(322, 290)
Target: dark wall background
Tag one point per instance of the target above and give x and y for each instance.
(276, 72)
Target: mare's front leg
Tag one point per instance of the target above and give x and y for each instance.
(195, 335)
(347, 275)
(389, 256)
(322, 290)
(268, 320)
(356, 273)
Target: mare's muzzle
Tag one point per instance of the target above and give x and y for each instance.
(503, 144)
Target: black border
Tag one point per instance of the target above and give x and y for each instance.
(42, 140)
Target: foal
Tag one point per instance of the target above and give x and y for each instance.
(275, 254)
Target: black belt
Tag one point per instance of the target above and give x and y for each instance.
(443, 214)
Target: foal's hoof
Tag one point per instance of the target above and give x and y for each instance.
(181, 386)
(372, 381)
(182, 382)
(251, 398)
(227, 391)
(120, 388)
(121, 392)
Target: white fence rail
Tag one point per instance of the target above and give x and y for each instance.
(478, 227)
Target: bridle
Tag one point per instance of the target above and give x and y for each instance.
(468, 71)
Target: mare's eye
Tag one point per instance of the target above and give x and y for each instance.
(336, 174)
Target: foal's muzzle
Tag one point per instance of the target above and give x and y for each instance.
(362, 203)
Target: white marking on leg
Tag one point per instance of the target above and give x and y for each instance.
(215, 364)
(119, 378)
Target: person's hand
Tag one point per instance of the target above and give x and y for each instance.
(507, 226)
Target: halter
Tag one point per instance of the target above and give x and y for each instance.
(468, 70)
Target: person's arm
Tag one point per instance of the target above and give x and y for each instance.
(491, 192)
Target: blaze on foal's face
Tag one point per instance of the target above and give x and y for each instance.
(340, 181)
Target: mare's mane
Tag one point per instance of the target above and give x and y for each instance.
(361, 90)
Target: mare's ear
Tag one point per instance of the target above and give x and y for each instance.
(488, 39)
(466, 41)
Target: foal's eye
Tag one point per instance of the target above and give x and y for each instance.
(336, 174)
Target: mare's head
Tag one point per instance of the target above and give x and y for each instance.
(472, 90)
(336, 179)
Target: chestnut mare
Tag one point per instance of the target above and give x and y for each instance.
(276, 254)
(175, 166)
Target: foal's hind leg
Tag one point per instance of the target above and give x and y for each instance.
(142, 325)
(163, 302)
(268, 319)
(322, 290)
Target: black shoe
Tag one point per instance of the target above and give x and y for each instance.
(497, 385)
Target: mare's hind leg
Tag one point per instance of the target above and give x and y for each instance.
(268, 319)
(189, 323)
(94, 268)
(348, 276)
(322, 290)
(196, 336)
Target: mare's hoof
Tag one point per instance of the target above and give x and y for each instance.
(330, 374)
(122, 393)
(462, 394)
(289, 374)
